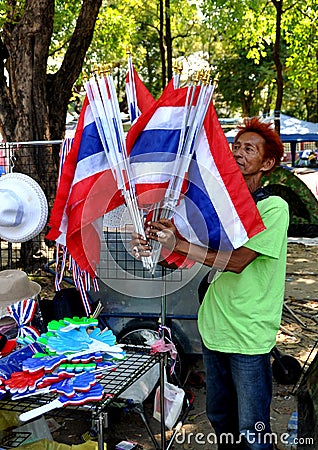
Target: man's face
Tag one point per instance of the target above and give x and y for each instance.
(248, 151)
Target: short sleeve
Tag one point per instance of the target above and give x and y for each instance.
(275, 215)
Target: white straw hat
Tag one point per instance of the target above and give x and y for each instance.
(15, 286)
(23, 208)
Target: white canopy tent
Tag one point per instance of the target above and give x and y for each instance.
(296, 130)
(292, 130)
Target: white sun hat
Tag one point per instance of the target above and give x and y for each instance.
(23, 208)
(15, 286)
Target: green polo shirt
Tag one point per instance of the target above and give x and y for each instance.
(241, 313)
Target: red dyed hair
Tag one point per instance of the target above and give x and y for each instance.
(273, 148)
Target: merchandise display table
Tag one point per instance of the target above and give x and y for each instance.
(137, 362)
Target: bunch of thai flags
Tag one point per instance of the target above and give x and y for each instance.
(174, 163)
(102, 97)
(101, 93)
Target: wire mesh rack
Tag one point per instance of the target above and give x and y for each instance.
(116, 261)
(137, 362)
(13, 439)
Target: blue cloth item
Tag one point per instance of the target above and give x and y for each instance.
(238, 397)
(292, 428)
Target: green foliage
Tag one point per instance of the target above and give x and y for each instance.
(10, 11)
(242, 84)
(251, 25)
(302, 39)
(235, 37)
(65, 15)
(135, 24)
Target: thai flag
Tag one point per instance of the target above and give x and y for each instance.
(86, 191)
(139, 99)
(217, 209)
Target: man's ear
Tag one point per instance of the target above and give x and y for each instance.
(268, 164)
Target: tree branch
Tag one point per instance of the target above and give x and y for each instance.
(60, 84)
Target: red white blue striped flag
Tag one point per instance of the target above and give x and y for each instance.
(139, 99)
(23, 313)
(86, 191)
(217, 209)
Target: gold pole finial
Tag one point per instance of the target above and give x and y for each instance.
(209, 75)
(107, 69)
(201, 75)
(178, 66)
(196, 77)
(95, 70)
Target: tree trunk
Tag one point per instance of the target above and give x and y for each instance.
(36, 102)
(279, 68)
(247, 104)
(268, 101)
(33, 104)
(168, 39)
(161, 44)
(27, 42)
(60, 84)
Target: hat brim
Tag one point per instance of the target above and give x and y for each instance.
(34, 290)
(35, 207)
(9, 346)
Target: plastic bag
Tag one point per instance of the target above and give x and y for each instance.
(140, 390)
(173, 401)
(38, 430)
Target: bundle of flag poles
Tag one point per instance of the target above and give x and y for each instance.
(101, 93)
(193, 117)
(104, 107)
(192, 121)
(131, 94)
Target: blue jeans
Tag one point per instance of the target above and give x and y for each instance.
(238, 397)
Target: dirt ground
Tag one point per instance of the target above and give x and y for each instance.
(297, 338)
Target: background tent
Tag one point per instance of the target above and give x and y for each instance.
(292, 130)
(296, 130)
(302, 202)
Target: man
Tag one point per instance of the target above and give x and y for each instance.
(241, 311)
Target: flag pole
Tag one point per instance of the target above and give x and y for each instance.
(162, 210)
(131, 94)
(190, 131)
(129, 194)
(105, 108)
(178, 67)
(190, 143)
(184, 134)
